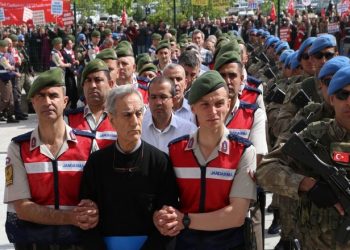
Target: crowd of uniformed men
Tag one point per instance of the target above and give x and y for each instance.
(164, 154)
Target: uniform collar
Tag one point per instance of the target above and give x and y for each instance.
(87, 111)
(36, 142)
(223, 146)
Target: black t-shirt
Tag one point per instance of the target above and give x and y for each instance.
(128, 188)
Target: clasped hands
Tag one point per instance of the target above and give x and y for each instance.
(86, 214)
(168, 221)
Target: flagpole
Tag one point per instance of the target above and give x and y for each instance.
(278, 18)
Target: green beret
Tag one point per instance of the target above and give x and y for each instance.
(240, 40)
(142, 59)
(50, 78)
(124, 44)
(93, 66)
(172, 31)
(164, 44)
(205, 84)
(56, 41)
(107, 54)
(13, 37)
(70, 37)
(107, 32)
(3, 43)
(183, 37)
(225, 47)
(172, 39)
(148, 67)
(225, 58)
(124, 51)
(95, 33)
(156, 36)
(218, 33)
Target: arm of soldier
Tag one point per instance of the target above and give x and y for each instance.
(257, 135)
(59, 62)
(275, 174)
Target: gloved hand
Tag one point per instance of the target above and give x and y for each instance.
(322, 195)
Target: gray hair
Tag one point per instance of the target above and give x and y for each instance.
(119, 92)
(190, 58)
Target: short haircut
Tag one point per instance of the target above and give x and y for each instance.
(118, 93)
(160, 80)
(172, 66)
(195, 32)
(189, 58)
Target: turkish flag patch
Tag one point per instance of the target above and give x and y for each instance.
(341, 156)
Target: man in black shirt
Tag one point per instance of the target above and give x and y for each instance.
(128, 180)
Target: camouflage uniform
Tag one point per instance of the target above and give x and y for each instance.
(281, 174)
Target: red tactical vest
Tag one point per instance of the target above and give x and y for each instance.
(206, 188)
(105, 134)
(242, 122)
(249, 94)
(56, 182)
(144, 92)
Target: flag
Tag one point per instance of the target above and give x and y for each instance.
(291, 7)
(273, 12)
(124, 17)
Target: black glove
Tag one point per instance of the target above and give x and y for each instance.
(322, 195)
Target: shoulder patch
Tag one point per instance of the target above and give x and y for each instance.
(74, 111)
(83, 133)
(22, 138)
(246, 105)
(246, 87)
(254, 80)
(181, 138)
(239, 139)
(317, 129)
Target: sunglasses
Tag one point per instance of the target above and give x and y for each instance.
(305, 56)
(342, 94)
(327, 55)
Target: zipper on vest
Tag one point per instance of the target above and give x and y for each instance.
(203, 189)
(55, 184)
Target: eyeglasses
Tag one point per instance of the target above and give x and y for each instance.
(163, 98)
(327, 55)
(342, 94)
(305, 56)
(326, 81)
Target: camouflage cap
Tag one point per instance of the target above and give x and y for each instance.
(50, 78)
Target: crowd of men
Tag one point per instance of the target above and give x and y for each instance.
(175, 148)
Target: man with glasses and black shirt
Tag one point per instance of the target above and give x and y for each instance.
(129, 180)
(322, 49)
(320, 211)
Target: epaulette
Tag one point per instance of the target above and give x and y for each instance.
(141, 86)
(317, 129)
(74, 111)
(234, 137)
(254, 80)
(181, 138)
(22, 138)
(83, 133)
(252, 89)
(246, 105)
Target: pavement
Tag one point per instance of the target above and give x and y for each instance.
(8, 131)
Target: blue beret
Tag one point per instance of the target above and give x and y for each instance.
(285, 54)
(253, 31)
(333, 65)
(20, 37)
(339, 80)
(81, 37)
(288, 60)
(278, 44)
(115, 36)
(307, 43)
(260, 32)
(265, 33)
(281, 47)
(271, 40)
(322, 42)
(294, 63)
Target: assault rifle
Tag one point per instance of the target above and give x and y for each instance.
(334, 177)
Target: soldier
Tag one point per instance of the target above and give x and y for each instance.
(163, 54)
(155, 41)
(92, 47)
(109, 56)
(318, 220)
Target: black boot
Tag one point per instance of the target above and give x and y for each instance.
(10, 119)
(275, 226)
(287, 245)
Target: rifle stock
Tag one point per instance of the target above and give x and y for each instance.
(335, 178)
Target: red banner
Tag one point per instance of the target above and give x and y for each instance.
(13, 10)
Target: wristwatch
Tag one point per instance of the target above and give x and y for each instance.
(186, 221)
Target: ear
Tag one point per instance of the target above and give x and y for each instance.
(111, 84)
(331, 100)
(65, 101)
